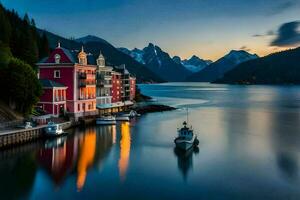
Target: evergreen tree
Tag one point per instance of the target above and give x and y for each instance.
(5, 26)
(44, 46)
(24, 89)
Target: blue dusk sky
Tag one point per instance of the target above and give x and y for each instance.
(206, 28)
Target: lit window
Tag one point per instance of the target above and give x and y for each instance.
(56, 73)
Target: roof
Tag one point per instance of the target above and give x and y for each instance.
(50, 84)
(66, 56)
(69, 54)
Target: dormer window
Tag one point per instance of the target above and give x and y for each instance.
(57, 58)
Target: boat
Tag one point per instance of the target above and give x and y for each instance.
(122, 118)
(130, 114)
(106, 120)
(26, 125)
(53, 129)
(186, 138)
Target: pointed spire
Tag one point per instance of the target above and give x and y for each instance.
(82, 49)
(58, 45)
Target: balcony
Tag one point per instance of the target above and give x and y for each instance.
(82, 75)
(84, 83)
(87, 97)
(104, 83)
(103, 76)
(58, 98)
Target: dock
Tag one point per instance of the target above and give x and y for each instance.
(21, 136)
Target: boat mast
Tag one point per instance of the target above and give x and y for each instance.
(187, 115)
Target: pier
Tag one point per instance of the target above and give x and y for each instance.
(21, 136)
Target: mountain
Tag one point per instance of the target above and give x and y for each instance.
(217, 69)
(194, 64)
(159, 62)
(113, 56)
(277, 68)
(90, 38)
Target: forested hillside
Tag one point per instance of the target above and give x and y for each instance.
(20, 48)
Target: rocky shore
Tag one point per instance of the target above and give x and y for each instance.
(153, 108)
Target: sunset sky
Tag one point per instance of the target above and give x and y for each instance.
(206, 28)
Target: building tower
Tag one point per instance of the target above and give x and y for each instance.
(82, 58)
(100, 60)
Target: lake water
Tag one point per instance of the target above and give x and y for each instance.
(249, 149)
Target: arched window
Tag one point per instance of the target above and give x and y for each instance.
(57, 58)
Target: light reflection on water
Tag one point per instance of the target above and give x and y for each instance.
(249, 149)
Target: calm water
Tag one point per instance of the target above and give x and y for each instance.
(249, 149)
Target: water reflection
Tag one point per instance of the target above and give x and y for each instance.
(185, 160)
(58, 158)
(124, 150)
(76, 153)
(86, 156)
(18, 171)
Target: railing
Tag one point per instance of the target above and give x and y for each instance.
(103, 76)
(104, 82)
(86, 82)
(60, 99)
(82, 75)
(87, 97)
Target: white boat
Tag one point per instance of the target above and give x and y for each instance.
(130, 114)
(106, 120)
(53, 129)
(122, 118)
(186, 138)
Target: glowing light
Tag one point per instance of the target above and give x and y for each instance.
(86, 158)
(124, 150)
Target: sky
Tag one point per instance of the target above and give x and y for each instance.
(206, 28)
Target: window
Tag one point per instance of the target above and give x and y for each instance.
(56, 73)
(78, 108)
(57, 58)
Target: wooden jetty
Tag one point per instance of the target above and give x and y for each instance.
(20, 136)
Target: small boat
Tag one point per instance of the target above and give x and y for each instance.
(26, 125)
(130, 114)
(122, 118)
(186, 138)
(53, 129)
(106, 120)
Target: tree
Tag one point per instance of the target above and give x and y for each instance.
(43, 46)
(5, 55)
(5, 26)
(23, 89)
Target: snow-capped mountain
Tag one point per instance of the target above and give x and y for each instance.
(137, 54)
(194, 64)
(217, 69)
(159, 62)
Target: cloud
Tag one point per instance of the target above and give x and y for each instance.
(245, 48)
(288, 35)
(282, 7)
(269, 33)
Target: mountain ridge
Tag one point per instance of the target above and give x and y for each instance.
(217, 69)
(277, 68)
(159, 62)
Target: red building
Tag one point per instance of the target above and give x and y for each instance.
(116, 90)
(76, 78)
(53, 99)
(132, 87)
